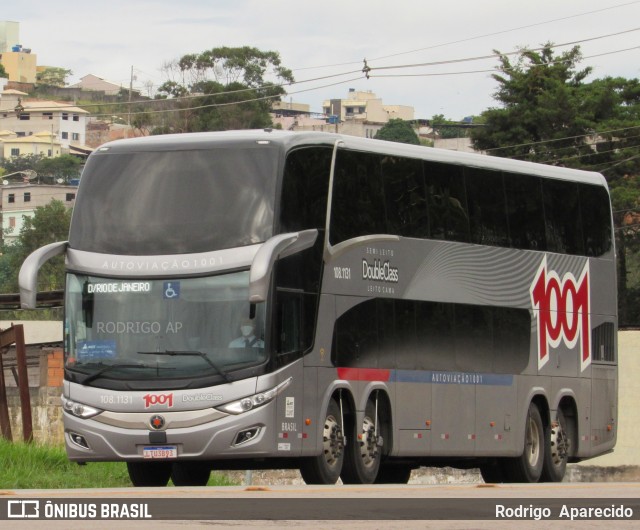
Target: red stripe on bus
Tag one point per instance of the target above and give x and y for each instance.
(364, 374)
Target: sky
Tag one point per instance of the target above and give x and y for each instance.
(332, 38)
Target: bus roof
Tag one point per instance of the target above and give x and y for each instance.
(288, 140)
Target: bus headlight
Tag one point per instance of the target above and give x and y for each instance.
(257, 400)
(79, 409)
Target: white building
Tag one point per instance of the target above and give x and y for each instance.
(29, 117)
(93, 82)
(19, 200)
(363, 113)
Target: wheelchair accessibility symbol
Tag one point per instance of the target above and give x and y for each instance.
(171, 290)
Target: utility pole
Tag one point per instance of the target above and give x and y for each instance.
(126, 133)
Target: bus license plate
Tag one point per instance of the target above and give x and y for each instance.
(160, 452)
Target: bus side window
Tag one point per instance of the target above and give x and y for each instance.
(596, 219)
(487, 207)
(446, 202)
(288, 325)
(562, 217)
(358, 197)
(525, 211)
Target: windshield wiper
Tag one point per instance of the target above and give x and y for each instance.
(107, 368)
(192, 353)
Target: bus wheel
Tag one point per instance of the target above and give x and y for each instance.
(190, 474)
(149, 474)
(364, 450)
(326, 467)
(528, 466)
(557, 450)
(393, 474)
(493, 472)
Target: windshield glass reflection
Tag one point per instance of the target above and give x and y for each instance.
(158, 329)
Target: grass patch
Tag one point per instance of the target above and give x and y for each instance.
(34, 466)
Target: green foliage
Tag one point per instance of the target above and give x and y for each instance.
(53, 76)
(47, 169)
(446, 128)
(49, 224)
(34, 466)
(234, 88)
(64, 167)
(539, 102)
(397, 130)
(3, 72)
(549, 114)
(21, 163)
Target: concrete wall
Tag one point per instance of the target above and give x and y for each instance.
(626, 452)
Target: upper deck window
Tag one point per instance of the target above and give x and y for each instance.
(175, 202)
(383, 194)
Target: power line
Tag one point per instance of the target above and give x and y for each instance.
(617, 163)
(230, 103)
(494, 55)
(493, 70)
(582, 155)
(596, 143)
(468, 39)
(592, 133)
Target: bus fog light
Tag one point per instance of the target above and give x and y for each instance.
(78, 440)
(246, 435)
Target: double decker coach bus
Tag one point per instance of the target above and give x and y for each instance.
(349, 307)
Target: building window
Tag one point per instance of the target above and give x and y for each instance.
(25, 116)
(11, 198)
(70, 197)
(47, 115)
(65, 115)
(75, 136)
(12, 222)
(65, 135)
(15, 151)
(76, 117)
(27, 196)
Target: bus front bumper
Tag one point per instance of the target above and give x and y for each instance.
(214, 436)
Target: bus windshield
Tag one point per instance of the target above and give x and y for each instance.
(175, 201)
(161, 329)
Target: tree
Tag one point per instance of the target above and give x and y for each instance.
(549, 114)
(445, 128)
(61, 167)
(397, 130)
(539, 102)
(49, 224)
(21, 163)
(233, 84)
(3, 72)
(53, 76)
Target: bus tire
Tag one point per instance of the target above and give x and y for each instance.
(327, 466)
(557, 450)
(493, 472)
(528, 466)
(393, 474)
(364, 450)
(149, 474)
(190, 474)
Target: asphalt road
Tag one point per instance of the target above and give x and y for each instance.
(328, 507)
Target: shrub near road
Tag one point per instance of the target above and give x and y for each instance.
(33, 466)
